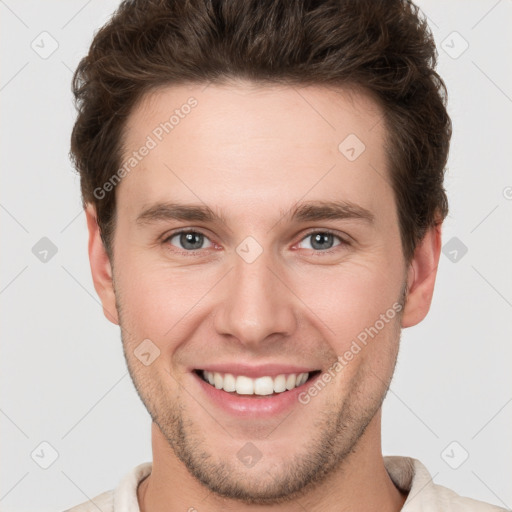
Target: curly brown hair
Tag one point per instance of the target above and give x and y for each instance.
(383, 47)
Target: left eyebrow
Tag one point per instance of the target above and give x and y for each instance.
(329, 210)
(302, 212)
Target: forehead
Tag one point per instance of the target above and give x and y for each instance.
(244, 144)
(304, 116)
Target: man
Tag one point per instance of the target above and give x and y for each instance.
(263, 185)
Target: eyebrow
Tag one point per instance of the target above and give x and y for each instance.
(301, 212)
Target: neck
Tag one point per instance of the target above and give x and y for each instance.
(360, 483)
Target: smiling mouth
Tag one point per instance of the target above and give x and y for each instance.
(260, 386)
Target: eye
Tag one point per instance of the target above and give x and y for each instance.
(188, 240)
(322, 241)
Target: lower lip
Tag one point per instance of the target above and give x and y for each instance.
(253, 405)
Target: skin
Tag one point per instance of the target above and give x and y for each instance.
(242, 147)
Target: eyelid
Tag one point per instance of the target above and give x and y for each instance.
(342, 236)
(179, 231)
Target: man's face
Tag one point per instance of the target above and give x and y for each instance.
(260, 293)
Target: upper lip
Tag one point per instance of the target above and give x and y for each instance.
(254, 371)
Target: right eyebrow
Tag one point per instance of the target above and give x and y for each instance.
(178, 211)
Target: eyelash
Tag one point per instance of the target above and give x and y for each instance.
(343, 242)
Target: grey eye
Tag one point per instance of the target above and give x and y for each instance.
(321, 240)
(189, 240)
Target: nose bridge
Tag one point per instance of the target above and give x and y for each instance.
(255, 303)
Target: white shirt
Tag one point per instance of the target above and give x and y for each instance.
(408, 474)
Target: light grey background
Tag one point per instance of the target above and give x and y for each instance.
(63, 375)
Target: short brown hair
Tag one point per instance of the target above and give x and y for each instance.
(383, 47)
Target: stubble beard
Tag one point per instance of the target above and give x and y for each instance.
(337, 432)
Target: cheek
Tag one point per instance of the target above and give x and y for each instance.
(156, 299)
(351, 297)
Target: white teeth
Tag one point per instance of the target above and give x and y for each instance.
(244, 385)
(229, 382)
(261, 386)
(218, 381)
(303, 377)
(280, 383)
(290, 381)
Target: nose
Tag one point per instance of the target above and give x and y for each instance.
(256, 302)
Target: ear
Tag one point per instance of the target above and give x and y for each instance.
(421, 277)
(101, 268)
